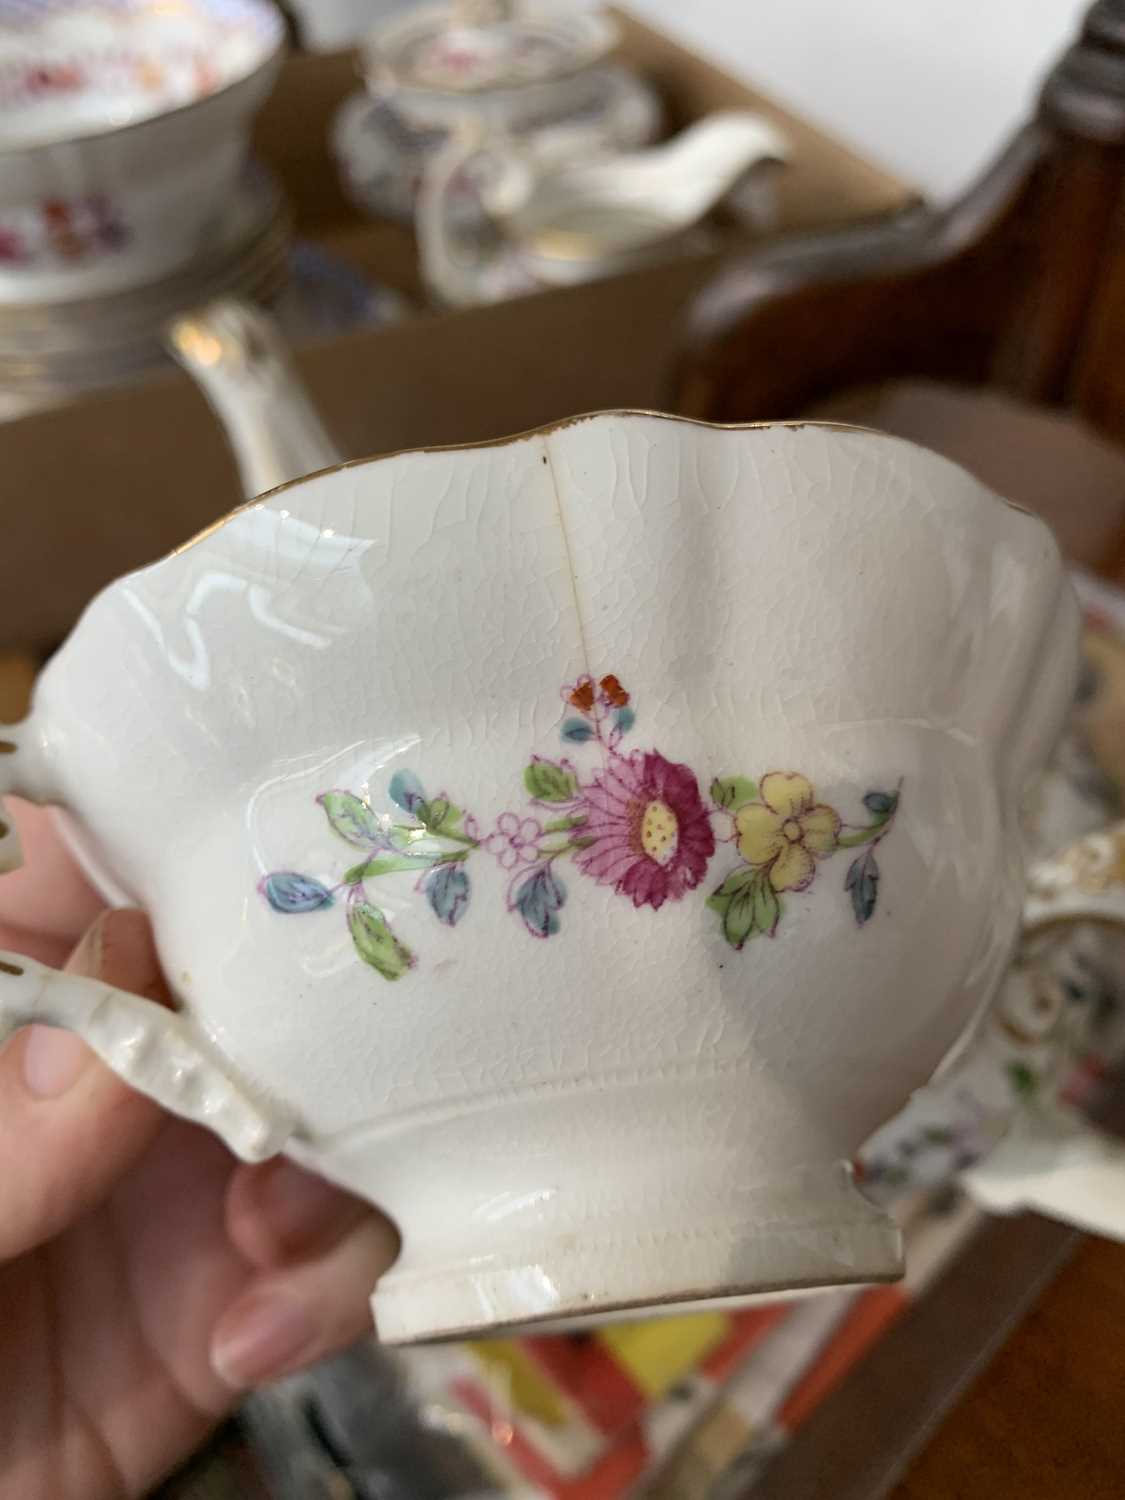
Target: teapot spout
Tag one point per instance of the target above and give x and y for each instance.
(238, 358)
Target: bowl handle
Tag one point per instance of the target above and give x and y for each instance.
(155, 1050)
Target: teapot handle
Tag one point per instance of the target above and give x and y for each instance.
(237, 356)
(155, 1050)
(1085, 883)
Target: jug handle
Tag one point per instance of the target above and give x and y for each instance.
(237, 356)
(1051, 1159)
(157, 1051)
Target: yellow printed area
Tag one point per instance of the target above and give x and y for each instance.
(658, 1354)
(522, 1382)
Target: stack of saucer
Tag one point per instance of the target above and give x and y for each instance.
(125, 199)
(51, 350)
(124, 132)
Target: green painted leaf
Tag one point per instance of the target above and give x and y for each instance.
(375, 943)
(739, 922)
(767, 907)
(451, 820)
(439, 816)
(564, 825)
(351, 818)
(404, 838)
(387, 864)
(733, 791)
(548, 782)
(748, 905)
(435, 813)
(732, 886)
(1023, 1079)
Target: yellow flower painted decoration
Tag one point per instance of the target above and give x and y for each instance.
(783, 833)
(787, 831)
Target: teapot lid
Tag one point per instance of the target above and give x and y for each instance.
(474, 46)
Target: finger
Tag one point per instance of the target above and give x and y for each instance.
(277, 1213)
(47, 904)
(68, 1127)
(292, 1318)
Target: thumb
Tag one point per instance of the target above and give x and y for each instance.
(69, 1128)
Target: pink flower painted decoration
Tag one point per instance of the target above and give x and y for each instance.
(650, 830)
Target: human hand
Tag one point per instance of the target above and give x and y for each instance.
(146, 1277)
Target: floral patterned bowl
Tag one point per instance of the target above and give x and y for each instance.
(124, 127)
(577, 844)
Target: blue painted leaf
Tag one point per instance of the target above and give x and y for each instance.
(352, 819)
(448, 892)
(863, 883)
(288, 892)
(538, 899)
(577, 731)
(406, 791)
(882, 804)
(374, 941)
(624, 718)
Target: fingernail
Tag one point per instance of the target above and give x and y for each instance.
(53, 1061)
(301, 1209)
(262, 1336)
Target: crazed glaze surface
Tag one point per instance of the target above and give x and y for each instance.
(792, 599)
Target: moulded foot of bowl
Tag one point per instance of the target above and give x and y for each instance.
(815, 1230)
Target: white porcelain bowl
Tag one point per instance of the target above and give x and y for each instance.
(123, 127)
(577, 844)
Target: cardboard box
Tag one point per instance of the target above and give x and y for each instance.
(117, 479)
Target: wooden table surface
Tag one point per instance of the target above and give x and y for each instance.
(1046, 1418)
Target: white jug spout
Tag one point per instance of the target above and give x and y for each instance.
(1054, 1162)
(710, 156)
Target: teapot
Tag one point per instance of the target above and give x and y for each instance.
(557, 225)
